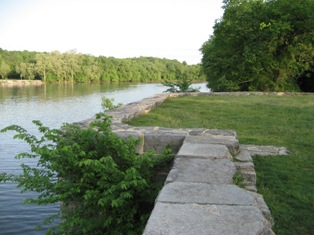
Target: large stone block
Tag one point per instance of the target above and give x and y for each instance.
(196, 219)
(202, 193)
(249, 177)
(135, 135)
(221, 134)
(232, 144)
(196, 131)
(202, 171)
(159, 140)
(243, 156)
(245, 166)
(263, 207)
(265, 150)
(200, 150)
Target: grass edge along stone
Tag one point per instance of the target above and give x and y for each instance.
(281, 119)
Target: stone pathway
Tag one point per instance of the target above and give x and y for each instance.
(199, 196)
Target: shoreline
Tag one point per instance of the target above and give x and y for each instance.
(12, 83)
(18, 82)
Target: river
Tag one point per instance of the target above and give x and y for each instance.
(53, 105)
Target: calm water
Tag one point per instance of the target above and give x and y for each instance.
(53, 105)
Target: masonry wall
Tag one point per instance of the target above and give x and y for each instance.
(199, 195)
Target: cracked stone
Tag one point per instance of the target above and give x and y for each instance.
(202, 193)
(202, 171)
(168, 218)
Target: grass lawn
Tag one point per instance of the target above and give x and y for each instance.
(287, 183)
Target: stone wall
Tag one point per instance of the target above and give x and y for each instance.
(199, 195)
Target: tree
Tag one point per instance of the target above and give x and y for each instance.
(4, 69)
(90, 69)
(260, 45)
(70, 65)
(57, 70)
(42, 64)
(26, 70)
(21, 69)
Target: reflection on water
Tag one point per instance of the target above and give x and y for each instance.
(59, 91)
(53, 104)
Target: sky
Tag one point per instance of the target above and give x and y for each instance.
(172, 29)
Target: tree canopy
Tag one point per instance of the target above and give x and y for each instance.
(75, 67)
(261, 45)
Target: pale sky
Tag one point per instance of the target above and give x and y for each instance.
(173, 29)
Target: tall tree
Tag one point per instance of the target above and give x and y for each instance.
(26, 70)
(42, 65)
(57, 68)
(70, 65)
(260, 45)
(4, 68)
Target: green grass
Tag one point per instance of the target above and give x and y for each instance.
(287, 183)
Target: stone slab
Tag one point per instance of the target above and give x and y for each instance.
(159, 140)
(196, 131)
(244, 156)
(231, 144)
(135, 135)
(221, 133)
(195, 219)
(200, 150)
(265, 150)
(245, 166)
(199, 170)
(249, 177)
(251, 188)
(202, 193)
(263, 207)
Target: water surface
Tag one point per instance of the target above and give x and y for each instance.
(53, 105)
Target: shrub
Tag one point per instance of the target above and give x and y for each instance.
(108, 104)
(184, 85)
(104, 186)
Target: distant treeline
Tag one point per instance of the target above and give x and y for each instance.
(75, 67)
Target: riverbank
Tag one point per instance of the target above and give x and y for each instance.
(11, 83)
(16, 82)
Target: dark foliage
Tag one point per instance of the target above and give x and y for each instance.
(262, 46)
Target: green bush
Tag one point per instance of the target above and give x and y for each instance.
(183, 85)
(104, 186)
(108, 104)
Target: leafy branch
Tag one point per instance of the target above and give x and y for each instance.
(183, 85)
(104, 186)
